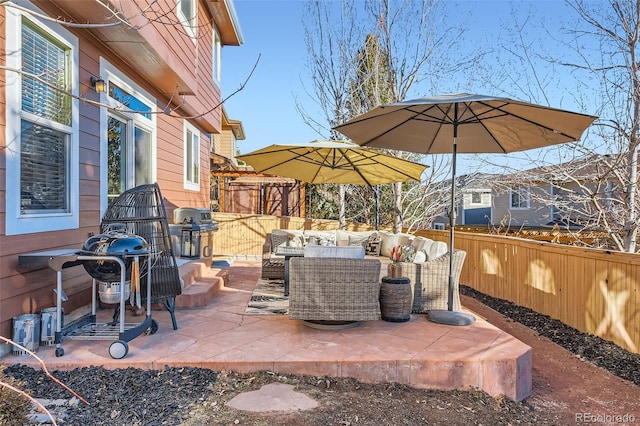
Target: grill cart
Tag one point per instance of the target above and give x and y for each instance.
(113, 259)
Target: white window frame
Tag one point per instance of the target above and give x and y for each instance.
(191, 182)
(523, 191)
(475, 203)
(110, 73)
(190, 23)
(216, 54)
(17, 222)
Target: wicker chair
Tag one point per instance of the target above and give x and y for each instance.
(272, 266)
(430, 282)
(141, 210)
(334, 289)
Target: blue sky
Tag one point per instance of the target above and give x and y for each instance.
(273, 30)
(266, 106)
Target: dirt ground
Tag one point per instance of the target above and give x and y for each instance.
(564, 385)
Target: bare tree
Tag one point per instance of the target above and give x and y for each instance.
(596, 49)
(363, 54)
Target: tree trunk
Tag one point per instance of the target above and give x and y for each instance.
(342, 221)
(630, 227)
(397, 207)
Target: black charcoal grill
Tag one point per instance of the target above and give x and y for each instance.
(115, 241)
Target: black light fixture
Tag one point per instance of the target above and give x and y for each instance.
(99, 85)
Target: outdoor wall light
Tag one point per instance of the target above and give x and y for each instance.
(99, 85)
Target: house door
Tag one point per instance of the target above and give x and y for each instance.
(129, 156)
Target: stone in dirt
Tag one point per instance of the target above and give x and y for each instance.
(272, 397)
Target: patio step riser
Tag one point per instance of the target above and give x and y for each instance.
(201, 283)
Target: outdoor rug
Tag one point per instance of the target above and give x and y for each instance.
(268, 299)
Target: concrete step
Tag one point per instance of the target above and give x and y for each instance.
(201, 283)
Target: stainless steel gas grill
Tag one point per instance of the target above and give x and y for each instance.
(196, 232)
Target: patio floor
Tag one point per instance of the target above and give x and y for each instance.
(220, 336)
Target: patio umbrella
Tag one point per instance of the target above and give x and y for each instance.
(464, 123)
(330, 161)
(333, 162)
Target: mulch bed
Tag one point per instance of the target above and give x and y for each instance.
(601, 352)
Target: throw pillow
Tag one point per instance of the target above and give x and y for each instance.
(390, 241)
(358, 241)
(420, 256)
(373, 245)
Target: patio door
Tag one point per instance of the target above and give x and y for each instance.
(129, 155)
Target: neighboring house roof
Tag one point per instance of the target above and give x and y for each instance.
(580, 169)
(472, 182)
(234, 125)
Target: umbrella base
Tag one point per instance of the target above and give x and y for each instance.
(442, 316)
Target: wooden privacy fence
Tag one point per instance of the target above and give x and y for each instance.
(244, 234)
(594, 291)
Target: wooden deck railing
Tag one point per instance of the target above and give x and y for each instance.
(594, 291)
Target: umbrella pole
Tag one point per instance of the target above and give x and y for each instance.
(377, 192)
(449, 316)
(452, 219)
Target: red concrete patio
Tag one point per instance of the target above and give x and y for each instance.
(220, 336)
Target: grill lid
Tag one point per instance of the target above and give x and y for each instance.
(186, 215)
(114, 242)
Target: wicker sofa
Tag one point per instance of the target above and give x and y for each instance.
(429, 274)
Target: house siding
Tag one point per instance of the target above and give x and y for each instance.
(537, 214)
(24, 290)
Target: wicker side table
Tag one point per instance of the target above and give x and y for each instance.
(396, 299)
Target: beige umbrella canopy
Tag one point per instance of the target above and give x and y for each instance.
(338, 162)
(463, 123)
(479, 124)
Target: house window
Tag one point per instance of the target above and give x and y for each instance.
(44, 170)
(129, 156)
(476, 198)
(520, 197)
(217, 55)
(188, 16)
(191, 157)
(128, 135)
(42, 127)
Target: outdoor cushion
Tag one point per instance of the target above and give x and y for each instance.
(390, 240)
(436, 249)
(347, 252)
(296, 237)
(419, 243)
(373, 245)
(358, 241)
(420, 256)
(322, 238)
